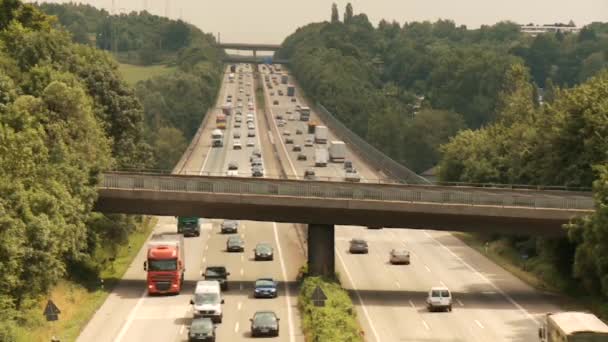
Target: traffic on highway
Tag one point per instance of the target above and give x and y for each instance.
(225, 280)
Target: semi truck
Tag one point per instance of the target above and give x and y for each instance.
(217, 138)
(304, 114)
(321, 157)
(337, 151)
(321, 134)
(291, 90)
(188, 226)
(165, 263)
(572, 327)
(284, 78)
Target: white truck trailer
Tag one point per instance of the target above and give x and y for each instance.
(321, 133)
(572, 327)
(337, 151)
(321, 157)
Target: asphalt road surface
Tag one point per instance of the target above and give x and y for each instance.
(489, 303)
(129, 314)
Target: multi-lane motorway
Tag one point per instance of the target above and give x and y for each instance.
(490, 304)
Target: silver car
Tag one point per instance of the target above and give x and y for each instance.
(399, 256)
(358, 246)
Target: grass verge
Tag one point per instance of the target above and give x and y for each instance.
(336, 321)
(77, 304)
(135, 73)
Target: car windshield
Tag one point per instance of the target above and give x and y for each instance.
(264, 283)
(234, 241)
(200, 325)
(215, 272)
(229, 223)
(206, 298)
(358, 242)
(263, 248)
(162, 265)
(264, 318)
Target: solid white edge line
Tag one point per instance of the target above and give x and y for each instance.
(365, 312)
(290, 324)
(130, 318)
(474, 270)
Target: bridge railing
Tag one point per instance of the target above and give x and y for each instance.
(348, 191)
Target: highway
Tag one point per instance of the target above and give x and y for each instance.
(489, 303)
(129, 314)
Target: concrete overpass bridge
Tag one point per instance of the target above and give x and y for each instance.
(250, 47)
(322, 204)
(319, 202)
(251, 60)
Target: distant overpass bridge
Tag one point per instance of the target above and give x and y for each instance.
(250, 47)
(526, 212)
(251, 60)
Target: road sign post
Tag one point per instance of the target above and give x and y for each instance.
(318, 297)
(51, 312)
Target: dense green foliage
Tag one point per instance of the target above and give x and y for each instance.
(65, 116)
(336, 321)
(137, 37)
(174, 103)
(559, 143)
(376, 80)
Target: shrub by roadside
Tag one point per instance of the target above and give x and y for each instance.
(336, 321)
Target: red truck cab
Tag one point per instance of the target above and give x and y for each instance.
(165, 264)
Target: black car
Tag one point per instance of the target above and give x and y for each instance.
(234, 244)
(230, 227)
(264, 323)
(201, 330)
(358, 246)
(218, 273)
(302, 156)
(265, 288)
(263, 251)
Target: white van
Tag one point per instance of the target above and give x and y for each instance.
(207, 300)
(439, 298)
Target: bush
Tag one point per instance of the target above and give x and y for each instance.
(336, 321)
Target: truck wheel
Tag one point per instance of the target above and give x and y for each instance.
(450, 308)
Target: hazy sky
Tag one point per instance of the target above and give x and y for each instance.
(270, 21)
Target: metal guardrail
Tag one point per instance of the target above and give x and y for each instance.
(371, 154)
(346, 191)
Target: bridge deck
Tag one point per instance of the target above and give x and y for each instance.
(389, 205)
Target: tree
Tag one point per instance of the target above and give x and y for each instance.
(335, 16)
(348, 13)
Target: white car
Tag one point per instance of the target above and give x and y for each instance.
(250, 143)
(236, 145)
(439, 298)
(399, 256)
(309, 142)
(232, 173)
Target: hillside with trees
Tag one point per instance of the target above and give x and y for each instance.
(388, 82)
(65, 116)
(174, 104)
(561, 142)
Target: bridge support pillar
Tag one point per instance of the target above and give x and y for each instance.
(255, 54)
(321, 250)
